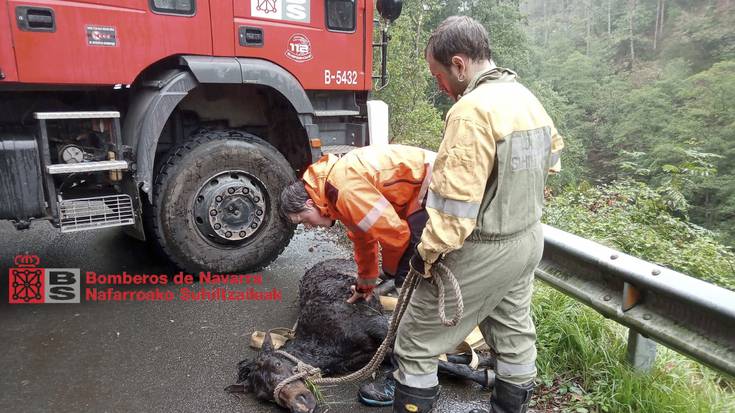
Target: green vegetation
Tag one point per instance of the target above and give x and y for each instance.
(581, 363)
(640, 90)
(643, 94)
(632, 217)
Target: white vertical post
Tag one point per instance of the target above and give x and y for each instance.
(378, 122)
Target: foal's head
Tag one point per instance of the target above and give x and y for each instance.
(262, 375)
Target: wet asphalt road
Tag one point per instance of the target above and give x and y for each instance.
(175, 356)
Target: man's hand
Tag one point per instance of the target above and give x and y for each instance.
(366, 294)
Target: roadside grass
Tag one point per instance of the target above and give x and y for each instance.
(581, 361)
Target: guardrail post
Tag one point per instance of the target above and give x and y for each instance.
(641, 351)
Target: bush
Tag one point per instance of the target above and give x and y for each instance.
(637, 220)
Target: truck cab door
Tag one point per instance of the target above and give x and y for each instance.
(323, 43)
(102, 42)
(7, 57)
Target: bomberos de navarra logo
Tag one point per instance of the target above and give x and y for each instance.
(30, 284)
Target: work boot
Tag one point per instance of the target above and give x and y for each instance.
(378, 394)
(509, 398)
(414, 400)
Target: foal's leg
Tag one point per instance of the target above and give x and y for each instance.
(356, 361)
(486, 360)
(486, 378)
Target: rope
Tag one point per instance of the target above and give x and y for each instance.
(457, 292)
(303, 370)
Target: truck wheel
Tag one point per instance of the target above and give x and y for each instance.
(215, 203)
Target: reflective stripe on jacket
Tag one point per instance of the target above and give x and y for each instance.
(372, 190)
(499, 145)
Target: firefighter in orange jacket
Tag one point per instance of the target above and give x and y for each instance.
(378, 193)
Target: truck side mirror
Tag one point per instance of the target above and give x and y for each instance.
(390, 9)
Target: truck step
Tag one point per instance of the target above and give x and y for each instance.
(338, 150)
(70, 168)
(97, 212)
(330, 113)
(77, 115)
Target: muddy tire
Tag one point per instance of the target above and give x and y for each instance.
(215, 203)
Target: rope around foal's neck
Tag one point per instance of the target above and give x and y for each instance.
(303, 370)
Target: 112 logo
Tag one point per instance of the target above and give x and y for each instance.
(29, 284)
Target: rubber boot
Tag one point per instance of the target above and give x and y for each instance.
(509, 398)
(413, 400)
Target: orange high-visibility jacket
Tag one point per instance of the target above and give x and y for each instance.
(372, 190)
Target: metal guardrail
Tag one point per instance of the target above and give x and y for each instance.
(688, 315)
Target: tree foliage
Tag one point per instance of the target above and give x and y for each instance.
(653, 104)
(669, 104)
(632, 217)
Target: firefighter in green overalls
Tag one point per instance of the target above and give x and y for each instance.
(484, 206)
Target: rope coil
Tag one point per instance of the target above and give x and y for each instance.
(304, 370)
(439, 281)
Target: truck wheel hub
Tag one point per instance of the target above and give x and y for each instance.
(230, 207)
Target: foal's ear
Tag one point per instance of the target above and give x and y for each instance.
(244, 370)
(267, 346)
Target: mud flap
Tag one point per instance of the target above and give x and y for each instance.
(136, 230)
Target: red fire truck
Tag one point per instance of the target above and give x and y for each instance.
(180, 120)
